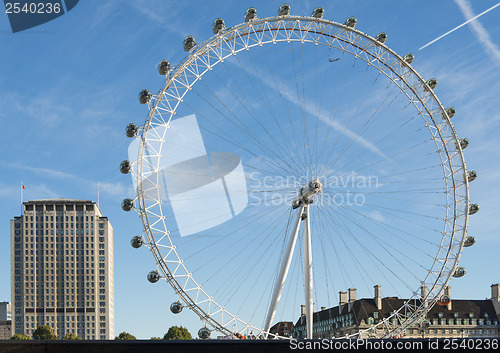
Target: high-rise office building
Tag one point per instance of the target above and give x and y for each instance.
(62, 269)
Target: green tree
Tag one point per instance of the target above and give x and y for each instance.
(125, 336)
(18, 336)
(70, 336)
(44, 333)
(177, 333)
(156, 338)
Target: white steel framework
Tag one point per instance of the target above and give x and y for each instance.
(298, 29)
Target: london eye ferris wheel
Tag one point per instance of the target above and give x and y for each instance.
(289, 157)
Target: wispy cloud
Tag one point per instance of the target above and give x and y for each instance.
(165, 17)
(459, 26)
(310, 107)
(481, 34)
(41, 191)
(111, 188)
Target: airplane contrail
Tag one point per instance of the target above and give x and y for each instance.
(463, 24)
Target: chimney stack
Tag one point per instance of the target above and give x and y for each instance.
(423, 295)
(447, 291)
(495, 292)
(302, 310)
(342, 300)
(495, 297)
(352, 295)
(323, 308)
(378, 296)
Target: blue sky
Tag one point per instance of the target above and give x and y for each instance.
(69, 87)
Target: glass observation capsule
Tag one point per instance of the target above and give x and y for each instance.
(351, 22)
(284, 10)
(451, 112)
(381, 37)
(144, 96)
(127, 204)
(153, 276)
(469, 241)
(318, 12)
(218, 25)
(163, 67)
(471, 176)
(464, 143)
(136, 242)
(444, 300)
(459, 272)
(473, 208)
(250, 14)
(131, 130)
(189, 43)
(176, 307)
(204, 333)
(125, 167)
(408, 58)
(432, 83)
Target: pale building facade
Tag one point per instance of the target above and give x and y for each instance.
(459, 318)
(62, 269)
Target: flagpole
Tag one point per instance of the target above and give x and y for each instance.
(21, 197)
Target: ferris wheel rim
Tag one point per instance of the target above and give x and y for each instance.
(207, 46)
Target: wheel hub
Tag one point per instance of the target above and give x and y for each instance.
(306, 193)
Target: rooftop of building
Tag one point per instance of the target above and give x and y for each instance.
(59, 200)
(363, 308)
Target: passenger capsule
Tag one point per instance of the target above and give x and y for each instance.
(218, 25)
(153, 276)
(204, 333)
(471, 176)
(426, 323)
(351, 22)
(189, 43)
(127, 204)
(250, 14)
(473, 208)
(131, 130)
(444, 300)
(163, 67)
(318, 12)
(136, 242)
(125, 167)
(469, 241)
(464, 143)
(408, 58)
(451, 112)
(381, 37)
(176, 307)
(459, 272)
(284, 10)
(432, 83)
(144, 96)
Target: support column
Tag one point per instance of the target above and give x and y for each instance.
(308, 275)
(285, 266)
